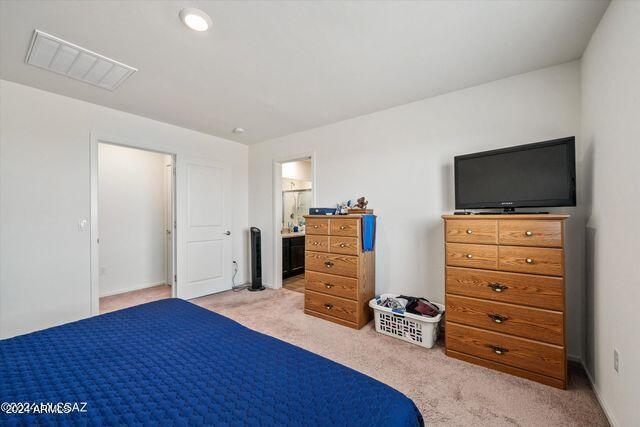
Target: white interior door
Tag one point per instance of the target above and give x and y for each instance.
(204, 224)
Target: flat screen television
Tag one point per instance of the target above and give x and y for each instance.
(542, 174)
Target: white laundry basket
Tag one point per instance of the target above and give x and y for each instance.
(409, 327)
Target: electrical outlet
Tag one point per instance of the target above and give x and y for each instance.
(616, 360)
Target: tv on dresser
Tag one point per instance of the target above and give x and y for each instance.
(542, 174)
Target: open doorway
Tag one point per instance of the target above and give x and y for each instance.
(294, 195)
(136, 223)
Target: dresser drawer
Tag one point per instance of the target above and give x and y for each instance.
(472, 231)
(317, 226)
(344, 245)
(342, 265)
(331, 305)
(530, 233)
(522, 353)
(345, 227)
(533, 323)
(521, 259)
(344, 287)
(317, 243)
(525, 289)
(475, 256)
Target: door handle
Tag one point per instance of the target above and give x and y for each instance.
(228, 233)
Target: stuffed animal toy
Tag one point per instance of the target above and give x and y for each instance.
(361, 203)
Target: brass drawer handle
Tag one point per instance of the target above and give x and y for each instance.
(497, 287)
(498, 318)
(528, 234)
(315, 243)
(328, 264)
(315, 226)
(342, 245)
(469, 256)
(328, 285)
(529, 260)
(469, 231)
(328, 306)
(497, 349)
(343, 227)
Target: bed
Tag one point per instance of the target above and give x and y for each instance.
(172, 362)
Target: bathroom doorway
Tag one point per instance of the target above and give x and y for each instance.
(297, 192)
(294, 195)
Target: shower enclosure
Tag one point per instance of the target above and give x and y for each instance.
(295, 204)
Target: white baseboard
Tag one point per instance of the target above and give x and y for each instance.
(239, 285)
(131, 288)
(603, 403)
(574, 358)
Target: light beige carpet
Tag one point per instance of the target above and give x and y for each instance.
(447, 391)
(129, 299)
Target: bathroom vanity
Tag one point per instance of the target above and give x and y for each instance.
(292, 254)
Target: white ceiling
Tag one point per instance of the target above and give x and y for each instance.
(278, 67)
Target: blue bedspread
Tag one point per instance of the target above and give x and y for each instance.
(171, 362)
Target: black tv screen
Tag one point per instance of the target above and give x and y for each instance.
(542, 174)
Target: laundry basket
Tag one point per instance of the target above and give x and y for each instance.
(420, 330)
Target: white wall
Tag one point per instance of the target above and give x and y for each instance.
(294, 184)
(611, 129)
(132, 200)
(45, 190)
(300, 170)
(401, 160)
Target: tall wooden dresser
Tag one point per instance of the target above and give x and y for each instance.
(339, 276)
(505, 298)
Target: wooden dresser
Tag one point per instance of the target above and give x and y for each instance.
(339, 276)
(504, 283)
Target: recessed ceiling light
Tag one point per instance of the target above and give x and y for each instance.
(195, 19)
(238, 130)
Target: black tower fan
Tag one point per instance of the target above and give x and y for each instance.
(256, 260)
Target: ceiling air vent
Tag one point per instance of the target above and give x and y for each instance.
(62, 57)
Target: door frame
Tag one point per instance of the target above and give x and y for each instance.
(96, 139)
(276, 281)
(170, 272)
